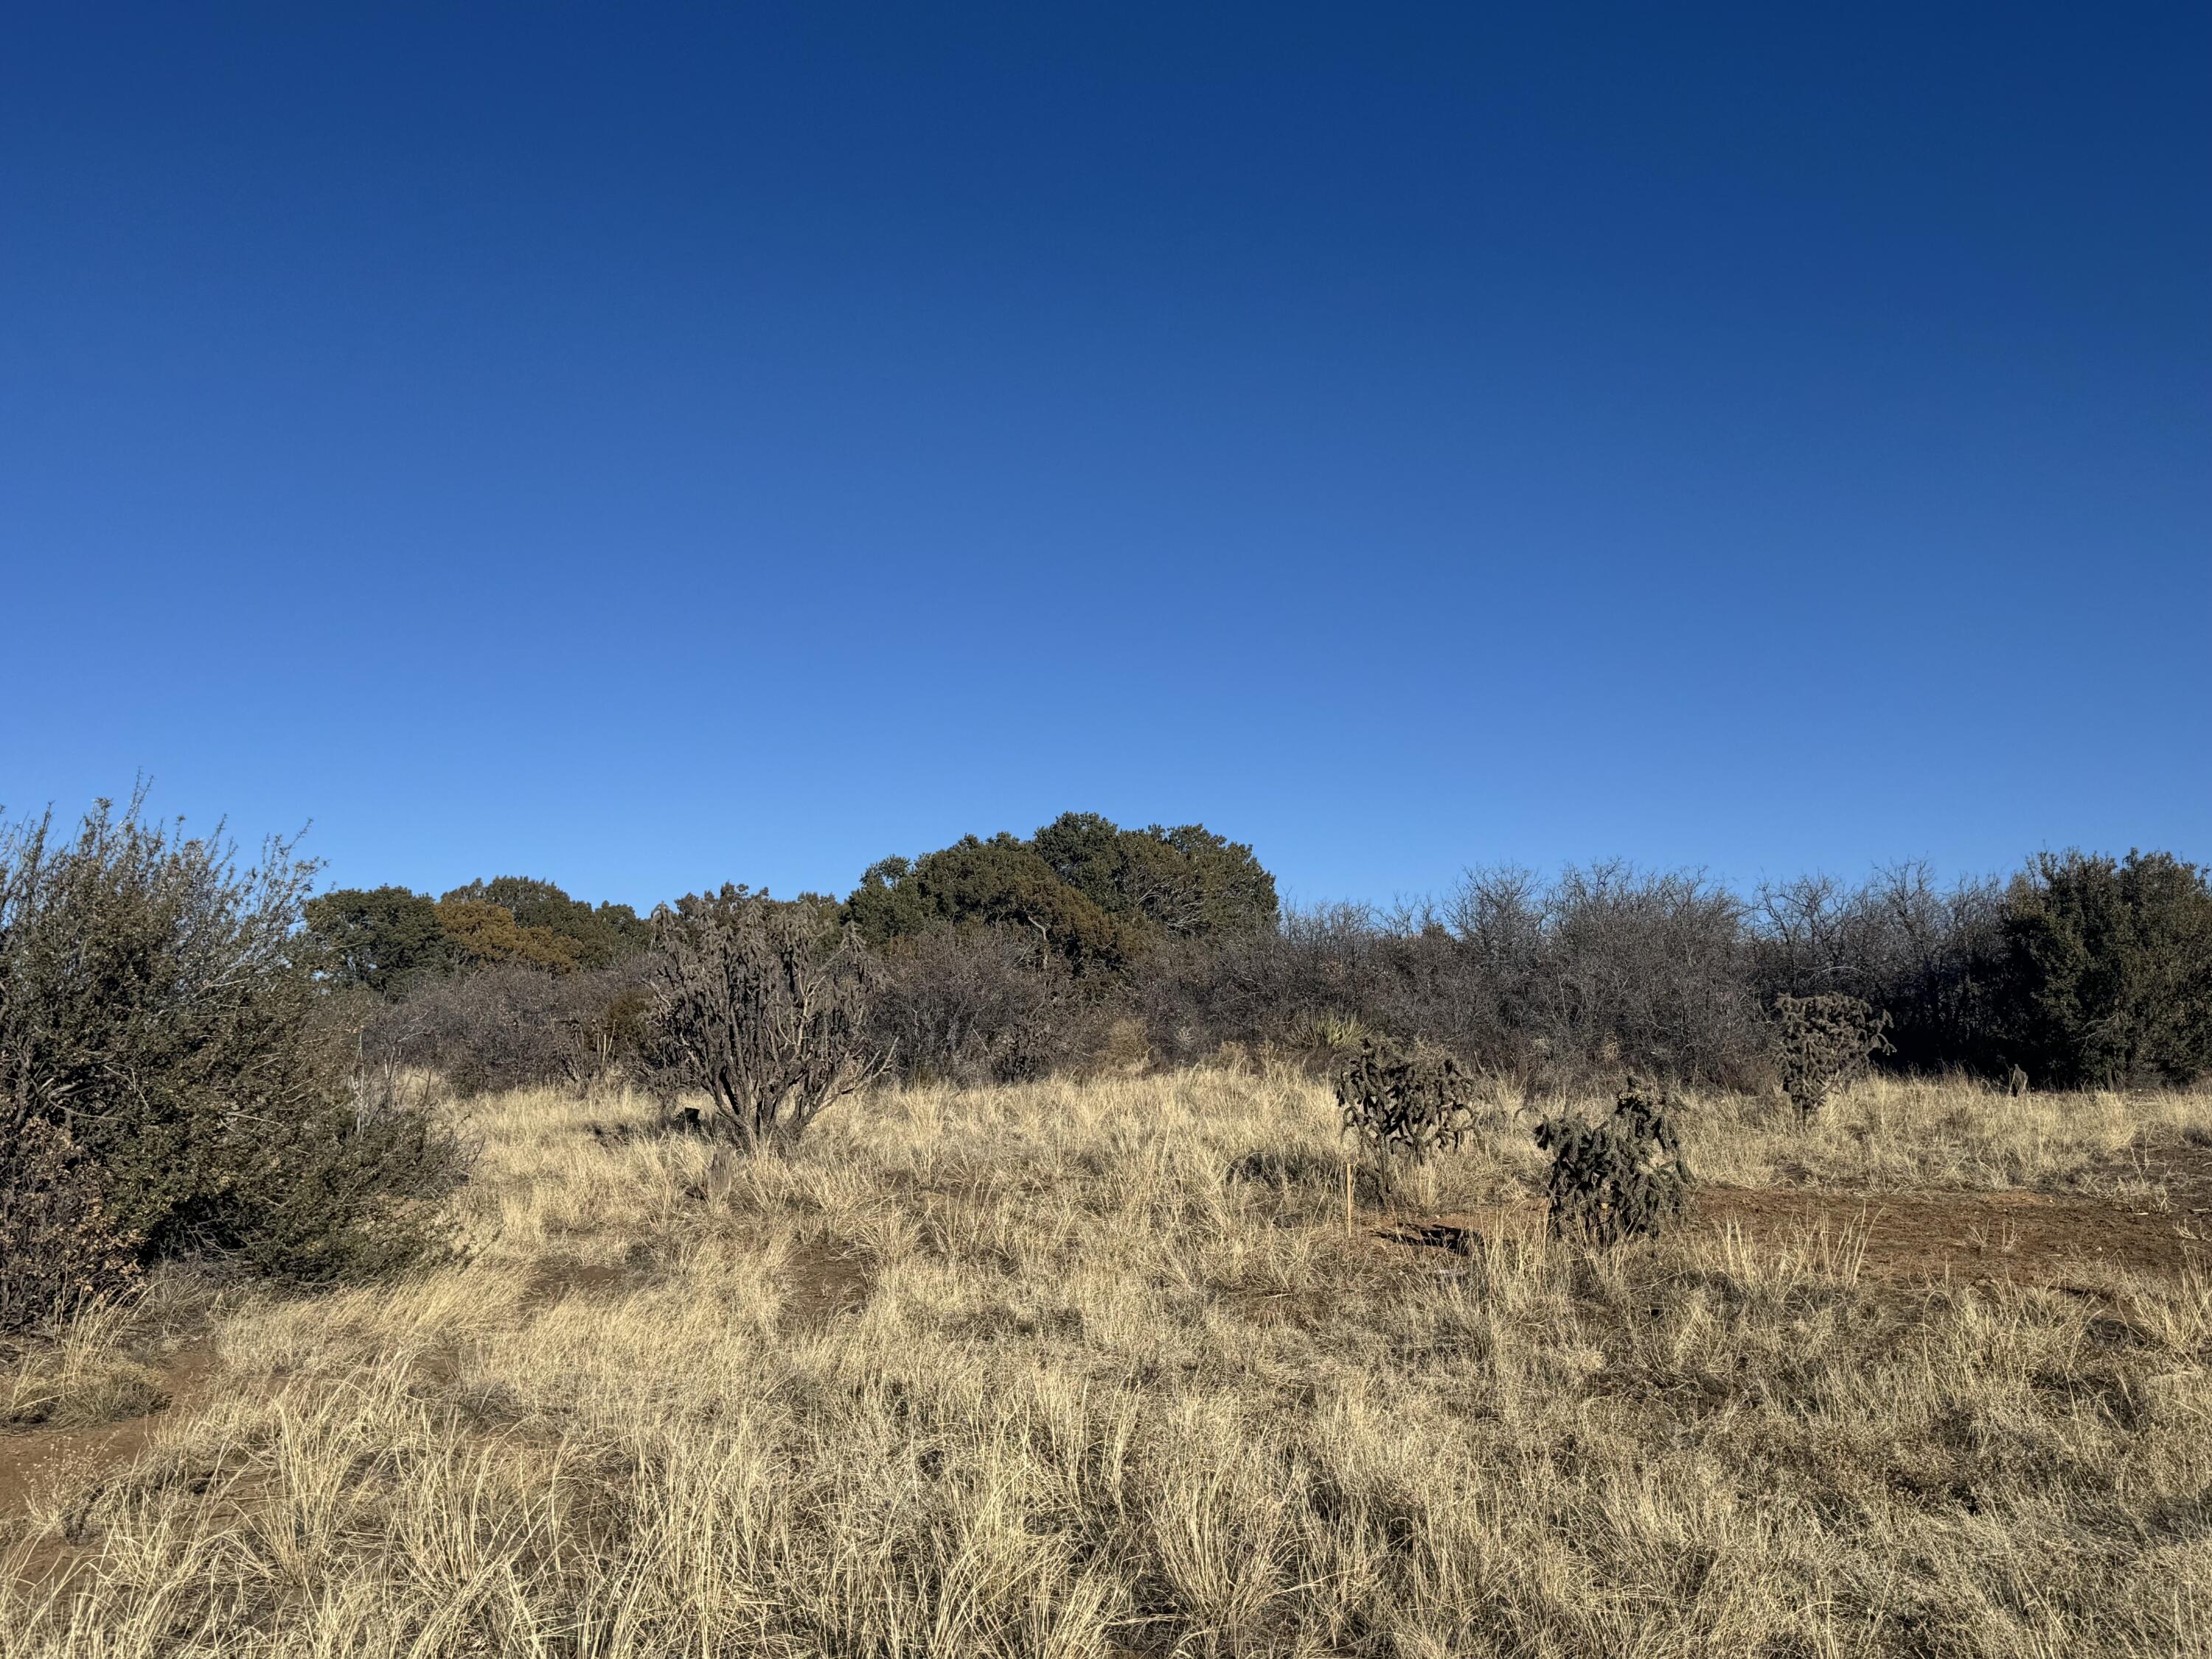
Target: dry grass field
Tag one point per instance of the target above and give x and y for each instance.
(1027, 1371)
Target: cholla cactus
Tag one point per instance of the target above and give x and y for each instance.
(1397, 1099)
(763, 1007)
(1825, 1042)
(1619, 1178)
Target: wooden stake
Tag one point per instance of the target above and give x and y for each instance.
(1348, 1195)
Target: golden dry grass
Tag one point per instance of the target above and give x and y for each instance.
(1019, 1372)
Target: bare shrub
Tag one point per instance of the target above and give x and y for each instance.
(58, 1248)
(512, 1026)
(1413, 1099)
(764, 1006)
(1622, 1178)
(1644, 970)
(986, 1005)
(1555, 984)
(1900, 941)
(1823, 1042)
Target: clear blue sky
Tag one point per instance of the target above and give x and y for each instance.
(651, 445)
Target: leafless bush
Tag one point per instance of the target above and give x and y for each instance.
(1559, 984)
(510, 1026)
(1823, 1042)
(1644, 970)
(1898, 941)
(1413, 1099)
(1619, 1178)
(986, 1006)
(1194, 995)
(1555, 984)
(765, 1008)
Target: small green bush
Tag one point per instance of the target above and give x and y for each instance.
(158, 1008)
(58, 1248)
(1622, 1177)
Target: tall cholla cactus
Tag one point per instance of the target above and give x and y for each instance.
(1825, 1042)
(761, 1006)
(1619, 1178)
(1415, 1100)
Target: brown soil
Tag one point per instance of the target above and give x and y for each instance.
(557, 1277)
(821, 1281)
(2183, 1169)
(34, 1461)
(2065, 1241)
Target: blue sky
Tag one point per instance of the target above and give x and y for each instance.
(658, 445)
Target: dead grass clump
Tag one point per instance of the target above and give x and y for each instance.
(1304, 1184)
(87, 1377)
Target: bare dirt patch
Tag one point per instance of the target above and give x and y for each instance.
(558, 1277)
(36, 1462)
(2023, 1237)
(2181, 1170)
(822, 1280)
(2019, 1238)
(187, 1377)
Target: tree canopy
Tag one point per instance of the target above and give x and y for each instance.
(379, 937)
(1094, 894)
(597, 937)
(2107, 971)
(388, 937)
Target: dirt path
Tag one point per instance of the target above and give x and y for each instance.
(36, 1462)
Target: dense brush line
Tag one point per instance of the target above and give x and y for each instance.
(2083, 971)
